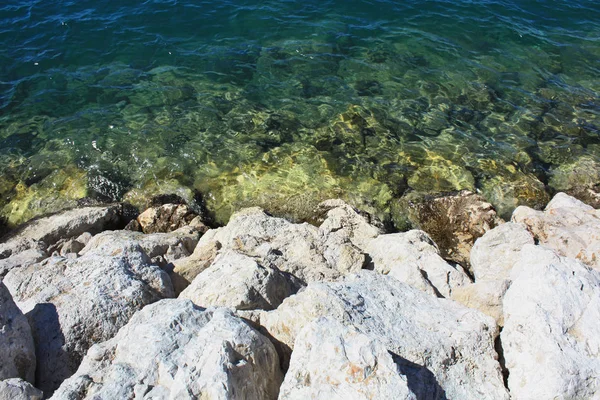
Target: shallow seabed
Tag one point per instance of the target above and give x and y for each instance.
(283, 104)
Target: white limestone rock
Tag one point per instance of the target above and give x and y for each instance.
(26, 257)
(568, 226)
(551, 325)
(413, 258)
(299, 249)
(238, 281)
(485, 296)
(18, 389)
(444, 348)
(175, 350)
(495, 253)
(167, 247)
(331, 360)
(74, 303)
(345, 221)
(17, 351)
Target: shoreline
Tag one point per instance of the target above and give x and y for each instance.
(341, 301)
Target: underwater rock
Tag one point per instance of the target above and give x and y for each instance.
(444, 349)
(508, 191)
(174, 349)
(74, 303)
(453, 221)
(438, 174)
(580, 179)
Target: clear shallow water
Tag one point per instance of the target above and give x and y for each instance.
(283, 104)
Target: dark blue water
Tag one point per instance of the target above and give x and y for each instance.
(283, 104)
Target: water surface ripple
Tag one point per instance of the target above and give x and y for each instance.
(283, 104)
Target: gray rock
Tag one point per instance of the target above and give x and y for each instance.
(444, 349)
(413, 258)
(175, 350)
(74, 303)
(186, 269)
(551, 324)
(331, 360)
(17, 351)
(67, 224)
(238, 281)
(299, 249)
(171, 246)
(567, 225)
(18, 389)
(23, 258)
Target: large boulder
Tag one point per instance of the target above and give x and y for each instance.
(331, 360)
(412, 257)
(567, 225)
(74, 303)
(238, 281)
(29, 243)
(17, 351)
(551, 324)
(445, 350)
(492, 259)
(175, 350)
(162, 248)
(453, 221)
(18, 389)
(300, 249)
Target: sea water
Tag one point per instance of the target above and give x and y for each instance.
(283, 104)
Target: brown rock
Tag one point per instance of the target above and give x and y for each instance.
(167, 218)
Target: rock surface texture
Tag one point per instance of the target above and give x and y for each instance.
(175, 350)
(238, 281)
(74, 303)
(169, 217)
(412, 257)
(454, 222)
(551, 325)
(17, 351)
(18, 389)
(445, 350)
(303, 250)
(331, 360)
(568, 226)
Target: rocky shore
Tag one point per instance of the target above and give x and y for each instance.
(98, 303)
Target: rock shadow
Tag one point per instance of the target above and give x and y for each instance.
(53, 362)
(421, 381)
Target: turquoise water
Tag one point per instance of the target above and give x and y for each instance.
(283, 104)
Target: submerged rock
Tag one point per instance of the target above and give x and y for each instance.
(238, 281)
(173, 349)
(567, 225)
(444, 349)
(580, 179)
(413, 258)
(74, 303)
(17, 351)
(551, 324)
(332, 360)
